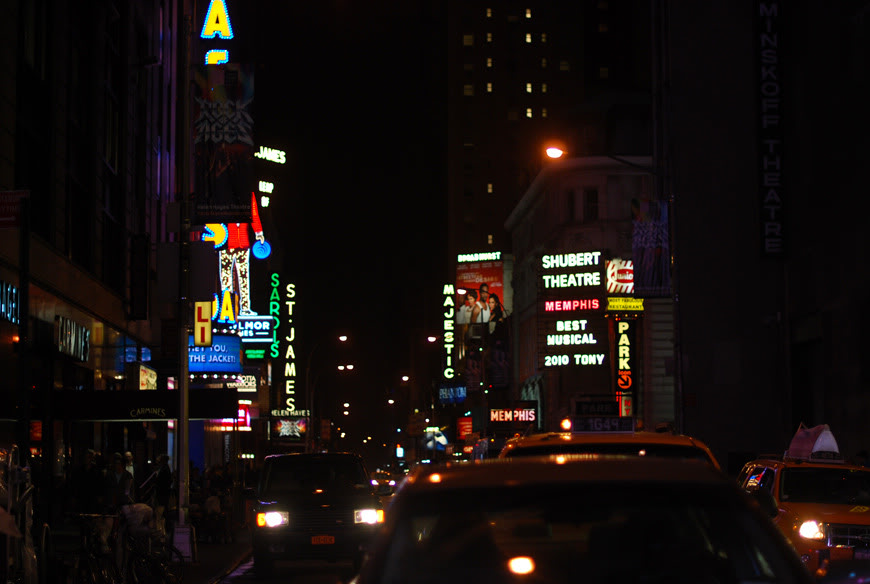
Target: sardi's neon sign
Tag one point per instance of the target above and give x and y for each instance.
(449, 318)
(282, 310)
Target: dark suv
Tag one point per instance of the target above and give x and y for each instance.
(318, 506)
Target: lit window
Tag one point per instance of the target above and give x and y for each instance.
(468, 89)
(543, 112)
(528, 37)
(564, 66)
(489, 239)
(468, 40)
(528, 12)
(543, 62)
(489, 37)
(489, 12)
(543, 88)
(528, 87)
(489, 187)
(543, 37)
(603, 72)
(489, 62)
(489, 87)
(528, 112)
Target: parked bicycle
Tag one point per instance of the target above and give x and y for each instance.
(152, 559)
(97, 560)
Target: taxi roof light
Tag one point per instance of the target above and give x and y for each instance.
(816, 443)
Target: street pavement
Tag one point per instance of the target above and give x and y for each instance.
(212, 561)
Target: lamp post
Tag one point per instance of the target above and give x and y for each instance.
(658, 170)
(309, 389)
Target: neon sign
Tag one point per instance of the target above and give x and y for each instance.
(271, 154)
(284, 315)
(217, 25)
(449, 320)
(9, 302)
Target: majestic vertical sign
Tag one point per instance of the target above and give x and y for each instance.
(449, 318)
(770, 129)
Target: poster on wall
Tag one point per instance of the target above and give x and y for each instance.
(289, 429)
(481, 313)
(223, 135)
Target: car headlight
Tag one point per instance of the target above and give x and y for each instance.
(370, 516)
(812, 530)
(273, 519)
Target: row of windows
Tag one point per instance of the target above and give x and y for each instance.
(564, 64)
(468, 39)
(602, 5)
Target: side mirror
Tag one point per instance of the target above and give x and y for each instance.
(766, 501)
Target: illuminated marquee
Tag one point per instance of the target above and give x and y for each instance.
(72, 339)
(256, 329)
(223, 356)
(576, 280)
(271, 154)
(282, 309)
(512, 415)
(620, 276)
(449, 319)
(572, 278)
(624, 355)
(217, 25)
(9, 301)
(479, 257)
(575, 305)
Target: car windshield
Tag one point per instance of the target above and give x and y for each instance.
(626, 448)
(573, 533)
(305, 473)
(843, 486)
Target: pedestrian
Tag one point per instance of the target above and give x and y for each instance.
(118, 486)
(162, 494)
(87, 485)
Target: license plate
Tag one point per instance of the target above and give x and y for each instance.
(322, 539)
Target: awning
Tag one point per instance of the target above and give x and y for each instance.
(130, 406)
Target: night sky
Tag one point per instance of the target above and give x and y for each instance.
(355, 97)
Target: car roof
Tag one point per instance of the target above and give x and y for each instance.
(639, 437)
(568, 468)
(607, 437)
(785, 462)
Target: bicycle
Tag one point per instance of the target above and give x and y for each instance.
(96, 562)
(150, 557)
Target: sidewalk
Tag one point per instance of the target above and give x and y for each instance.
(213, 561)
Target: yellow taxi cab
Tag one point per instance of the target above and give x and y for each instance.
(622, 441)
(820, 503)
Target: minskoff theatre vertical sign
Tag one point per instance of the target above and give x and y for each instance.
(770, 129)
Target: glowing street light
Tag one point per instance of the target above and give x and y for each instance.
(555, 152)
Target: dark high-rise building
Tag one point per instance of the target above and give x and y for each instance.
(523, 75)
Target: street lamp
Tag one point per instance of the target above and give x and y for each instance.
(309, 389)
